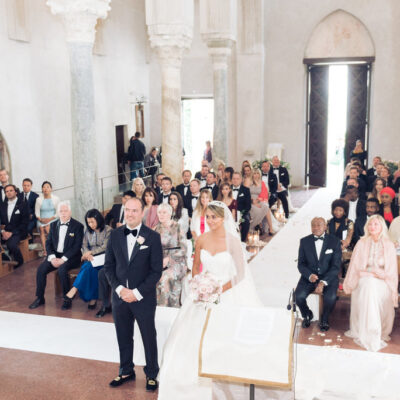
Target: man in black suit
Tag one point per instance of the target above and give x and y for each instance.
(3, 183)
(319, 261)
(282, 176)
(372, 172)
(184, 188)
(388, 178)
(202, 175)
(372, 208)
(354, 174)
(157, 187)
(63, 246)
(30, 198)
(211, 185)
(194, 196)
(14, 217)
(270, 181)
(115, 217)
(133, 266)
(356, 205)
(242, 195)
(167, 188)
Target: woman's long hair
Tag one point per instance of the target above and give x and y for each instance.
(384, 233)
(199, 208)
(177, 214)
(96, 214)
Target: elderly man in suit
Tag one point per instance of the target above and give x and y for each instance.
(319, 262)
(63, 246)
(14, 216)
(133, 266)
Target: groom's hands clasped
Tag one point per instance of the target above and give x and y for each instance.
(127, 295)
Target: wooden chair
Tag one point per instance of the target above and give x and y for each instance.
(6, 267)
(27, 254)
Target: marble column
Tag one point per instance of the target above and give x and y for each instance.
(170, 29)
(80, 18)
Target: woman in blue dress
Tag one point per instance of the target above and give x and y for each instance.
(94, 243)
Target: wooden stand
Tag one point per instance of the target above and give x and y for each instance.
(28, 255)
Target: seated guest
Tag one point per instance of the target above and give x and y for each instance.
(4, 181)
(30, 198)
(115, 217)
(94, 243)
(242, 196)
(354, 174)
(372, 208)
(377, 186)
(247, 175)
(372, 280)
(228, 173)
(184, 188)
(150, 217)
(388, 209)
(194, 196)
(63, 247)
(319, 263)
(202, 175)
(354, 182)
(158, 184)
(14, 217)
(394, 232)
(199, 224)
(372, 172)
(271, 182)
(220, 173)
(46, 211)
(385, 175)
(356, 205)
(340, 226)
(259, 204)
(225, 195)
(282, 176)
(179, 213)
(138, 187)
(211, 184)
(173, 241)
(166, 186)
(359, 152)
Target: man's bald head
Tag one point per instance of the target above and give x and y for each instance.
(318, 226)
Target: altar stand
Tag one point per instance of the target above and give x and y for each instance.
(245, 346)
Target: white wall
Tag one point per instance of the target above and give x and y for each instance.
(35, 91)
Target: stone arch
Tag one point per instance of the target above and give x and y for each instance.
(340, 35)
(5, 160)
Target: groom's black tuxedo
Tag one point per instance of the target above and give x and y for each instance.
(142, 272)
(327, 268)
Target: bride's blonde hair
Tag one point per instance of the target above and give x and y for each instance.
(217, 210)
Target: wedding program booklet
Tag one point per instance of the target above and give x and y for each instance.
(98, 260)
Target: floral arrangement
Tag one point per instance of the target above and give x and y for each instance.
(257, 163)
(205, 288)
(392, 165)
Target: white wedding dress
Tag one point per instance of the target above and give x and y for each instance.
(179, 368)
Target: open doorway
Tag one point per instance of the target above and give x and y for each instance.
(197, 128)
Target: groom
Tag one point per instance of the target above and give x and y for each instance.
(133, 266)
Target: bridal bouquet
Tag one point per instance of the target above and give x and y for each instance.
(205, 288)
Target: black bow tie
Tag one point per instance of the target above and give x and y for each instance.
(235, 190)
(208, 187)
(203, 179)
(165, 195)
(195, 197)
(277, 168)
(66, 224)
(128, 232)
(318, 238)
(264, 174)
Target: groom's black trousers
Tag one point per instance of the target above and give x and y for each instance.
(125, 315)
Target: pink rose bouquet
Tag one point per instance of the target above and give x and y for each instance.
(205, 288)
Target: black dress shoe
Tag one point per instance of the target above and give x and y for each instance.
(151, 385)
(38, 302)
(92, 306)
(103, 311)
(324, 326)
(67, 304)
(307, 320)
(119, 380)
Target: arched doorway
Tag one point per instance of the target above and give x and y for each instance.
(340, 45)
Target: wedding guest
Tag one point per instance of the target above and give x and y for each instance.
(29, 197)
(46, 212)
(167, 188)
(199, 224)
(394, 232)
(4, 181)
(241, 194)
(259, 200)
(372, 280)
(179, 213)
(63, 247)
(341, 226)
(211, 184)
(385, 175)
(356, 205)
(136, 154)
(388, 209)
(359, 152)
(194, 196)
(207, 156)
(283, 179)
(184, 188)
(228, 173)
(150, 216)
(116, 216)
(245, 163)
(94, 244)
(377, 186)
(319, 275)
(354, 174)
(372, 172)
(372, 208)
(173, 241)
(220, 172)
(14, 217)
(225, 195)
(157, 187)
(271, 182)
(151, 163)
(138, 187)
(247, 175)
(202, 175)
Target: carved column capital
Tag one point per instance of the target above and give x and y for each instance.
(80, 17)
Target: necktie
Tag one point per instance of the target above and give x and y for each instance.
(128, 232)
(121, 220)
(25, 197)
(318, 238)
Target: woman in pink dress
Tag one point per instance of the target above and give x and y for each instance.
(372, 280)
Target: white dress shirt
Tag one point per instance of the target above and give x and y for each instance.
(61, 240)
(265, 180)
(121, 213)
(203, 182)
(10, 208)
(194, 201)
(318, 248)
(131, 241)
(165, 200)
(26, 195)
(235, 193)
(353, 210)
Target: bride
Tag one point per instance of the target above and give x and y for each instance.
(221, 254)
